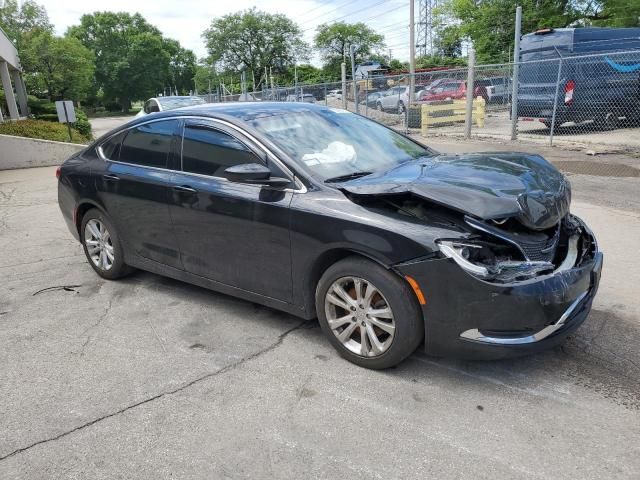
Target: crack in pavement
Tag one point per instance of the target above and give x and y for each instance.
(93, 327)
(220, 371)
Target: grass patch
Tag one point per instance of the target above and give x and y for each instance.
(43, 130)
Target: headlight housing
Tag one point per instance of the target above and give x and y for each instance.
(491, 261)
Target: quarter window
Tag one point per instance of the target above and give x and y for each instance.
(149, 145)
(209, 152)
(111, 148)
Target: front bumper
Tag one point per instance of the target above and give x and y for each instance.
(466, 317)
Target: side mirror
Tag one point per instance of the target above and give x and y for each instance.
(254, 173)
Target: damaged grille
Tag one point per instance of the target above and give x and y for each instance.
(534, 246)
(542, 248)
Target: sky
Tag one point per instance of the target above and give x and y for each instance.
(185, 20)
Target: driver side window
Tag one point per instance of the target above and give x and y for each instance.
(207, 151)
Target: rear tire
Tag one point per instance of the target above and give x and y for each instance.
(385, 314)
(102, 246)
(379, 107)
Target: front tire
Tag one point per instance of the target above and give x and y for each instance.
(102, 246)
(368, 313)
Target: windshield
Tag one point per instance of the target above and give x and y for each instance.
(334, 143)
(169, 103)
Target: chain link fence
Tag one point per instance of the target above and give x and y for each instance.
(591, 99)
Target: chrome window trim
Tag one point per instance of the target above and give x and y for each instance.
(300, 187)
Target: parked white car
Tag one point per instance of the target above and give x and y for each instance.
(337, 94)
(305, 98)
(497, 88)
(161, 104)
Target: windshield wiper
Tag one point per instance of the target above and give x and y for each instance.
(348, 176)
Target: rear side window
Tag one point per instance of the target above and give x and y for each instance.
(209, 152)
(149, 145)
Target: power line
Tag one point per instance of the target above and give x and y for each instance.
(351, 13)
(325, 13)
(391, 26)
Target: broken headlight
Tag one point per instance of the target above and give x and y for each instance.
(492, 261)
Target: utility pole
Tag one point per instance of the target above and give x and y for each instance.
(352, 52)
(390, 56)
(514, 77)
(412, 51)
(468, 118)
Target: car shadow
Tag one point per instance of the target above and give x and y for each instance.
(593, 358)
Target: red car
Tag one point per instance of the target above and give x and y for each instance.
(452, 90)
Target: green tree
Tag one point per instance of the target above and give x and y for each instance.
(182, 66)
(132, 62)
(18, 20)
(252, 40)
(334, 40)
(57, 66)
(448, 42)
(490, 24)
(612, 13)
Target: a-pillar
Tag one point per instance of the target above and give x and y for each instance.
(21, 91)
(8, 91)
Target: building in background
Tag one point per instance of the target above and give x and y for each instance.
(12, 83)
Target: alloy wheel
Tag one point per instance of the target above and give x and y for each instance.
(99, 244)
(359, 316)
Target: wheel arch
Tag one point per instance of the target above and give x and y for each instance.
(81, 209)
(322, 263)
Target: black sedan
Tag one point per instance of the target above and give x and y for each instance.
(323, 213)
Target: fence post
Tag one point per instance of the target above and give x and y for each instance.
(555, 103)
(469, 106)
(366, 97)
(514, 79)
(352, 50)
(343, 68)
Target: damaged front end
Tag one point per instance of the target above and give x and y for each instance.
(501, 250)
(495, 288)
(506, 251)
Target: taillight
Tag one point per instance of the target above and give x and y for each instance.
(58, 172)
(569, 87)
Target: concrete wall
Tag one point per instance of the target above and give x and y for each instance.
(19, 152)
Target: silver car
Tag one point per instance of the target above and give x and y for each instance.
(161, 104)
(396, 99)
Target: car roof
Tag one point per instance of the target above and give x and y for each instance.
(235, 112)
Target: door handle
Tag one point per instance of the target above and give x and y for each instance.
(110, 178)
(184, 189)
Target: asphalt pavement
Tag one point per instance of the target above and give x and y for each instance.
(151, 378)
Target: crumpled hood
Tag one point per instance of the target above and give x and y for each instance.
(484, 185)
